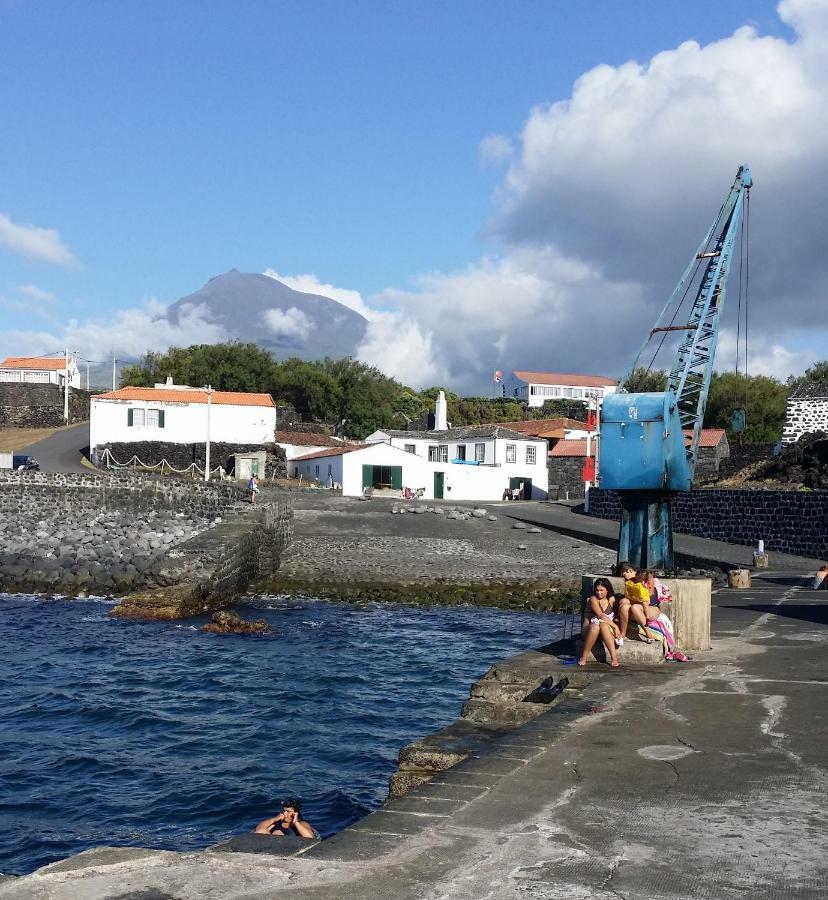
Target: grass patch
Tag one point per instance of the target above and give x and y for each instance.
(13, 439)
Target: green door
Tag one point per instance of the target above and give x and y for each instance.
(396, 478)
(367, 476)
(439, 483)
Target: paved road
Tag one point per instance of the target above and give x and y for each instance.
(62, 451)
(672, 782)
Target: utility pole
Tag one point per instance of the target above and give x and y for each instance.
(113, 373)
(87, 374)
(66, 386)
(209, 390)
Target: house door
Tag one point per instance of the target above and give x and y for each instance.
(516, 484)
(245, 469)
(439, 484)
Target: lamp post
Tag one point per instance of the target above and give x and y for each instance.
(210, 392)
(66, 386)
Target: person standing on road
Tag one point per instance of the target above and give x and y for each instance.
(253, 488)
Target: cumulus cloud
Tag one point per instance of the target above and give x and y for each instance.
(291, 322)
(128, 334)
(494, 149)
(34, 242)
(310, 284)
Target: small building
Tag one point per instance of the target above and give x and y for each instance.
(551, 430)
(534, 388)
(40, 370)
(806, 411)
(178, 414)
(301, 443)
(250, 462)
(385, 467)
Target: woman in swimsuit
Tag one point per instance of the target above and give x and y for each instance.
(601, 621)
(289, 821)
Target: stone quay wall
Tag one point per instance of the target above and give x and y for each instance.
(111, 535)
(39, 405)
(787, 521)
(179, 456)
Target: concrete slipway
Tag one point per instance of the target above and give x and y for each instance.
(704, 780)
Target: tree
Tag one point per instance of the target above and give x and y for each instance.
(644, 381)
(817, 372)
(762, 397)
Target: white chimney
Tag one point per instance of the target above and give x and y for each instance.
(440, 413)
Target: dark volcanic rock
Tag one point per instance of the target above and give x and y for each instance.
(229, 622)
(262, 310)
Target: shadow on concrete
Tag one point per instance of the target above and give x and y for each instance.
(805, 612)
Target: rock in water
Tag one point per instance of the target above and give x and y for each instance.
(228, 621)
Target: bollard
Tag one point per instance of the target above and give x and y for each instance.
(738, 578)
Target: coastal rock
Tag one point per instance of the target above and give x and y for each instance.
(228, 621)
(520, 526)
(521, 546)
(479, 513)
(533, 531)
(492, 518)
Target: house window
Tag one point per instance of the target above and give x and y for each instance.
(136, 418)
(410, 448)
(9, 376)
(531, 455)
(461, 452)
(36, 377)
(438, 453)
(511, 453)
(480, 452)
(317, 470)
(330, 469)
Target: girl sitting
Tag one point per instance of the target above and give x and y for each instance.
(600, 621)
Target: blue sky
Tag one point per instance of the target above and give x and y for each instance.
(167, 142)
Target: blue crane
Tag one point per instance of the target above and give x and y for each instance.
(644, 452)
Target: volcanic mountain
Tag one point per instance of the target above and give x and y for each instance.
(262, 310)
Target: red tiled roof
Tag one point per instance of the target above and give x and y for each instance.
(572, 447)
(160, 395)
(306, 439)
(34, 362)
(709, 437)
(332, 451)
(565, 378)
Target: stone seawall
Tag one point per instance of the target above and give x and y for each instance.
(179, 456)
(39, 405)
(787, 521)
(110, 535)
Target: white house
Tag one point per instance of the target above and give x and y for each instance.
(806, 411)
(179, 414)
(536, 387)
(40, 370)
(301, 443)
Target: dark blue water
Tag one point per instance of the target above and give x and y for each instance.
(158, 735)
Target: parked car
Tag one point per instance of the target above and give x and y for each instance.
(24, 462)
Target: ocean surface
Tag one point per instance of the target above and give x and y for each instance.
(158, 735)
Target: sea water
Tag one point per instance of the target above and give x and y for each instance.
(159, 735)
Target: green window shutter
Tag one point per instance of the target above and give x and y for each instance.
(129, 418)
(396, 477)
(160, 418)
(367, 476)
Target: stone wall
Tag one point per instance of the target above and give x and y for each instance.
(567, 473)
(39, 405)
(806, 415)
(179, 456)
(185, 546)
(743, 455)
(788, 521)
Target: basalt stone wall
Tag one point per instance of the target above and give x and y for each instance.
(743, 456)
(567, 473)
(39, 405)
(179, 456)
(788, 521)
(83, 495)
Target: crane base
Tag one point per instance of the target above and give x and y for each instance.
(646, 536)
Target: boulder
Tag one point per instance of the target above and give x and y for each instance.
(479, 513)
(228, 621)
(533, 531)
(519, 525)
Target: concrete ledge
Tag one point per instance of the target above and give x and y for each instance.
(264, 844)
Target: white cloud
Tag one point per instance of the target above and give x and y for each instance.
(310, 284)
(494, 149)
(36, 293)
(288, 323)
(767, 355)
(33, 242)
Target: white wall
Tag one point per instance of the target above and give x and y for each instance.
(319, 469)
(42, 376)
(523, 391)
(294, 450)
(184, 423)
(478, 483)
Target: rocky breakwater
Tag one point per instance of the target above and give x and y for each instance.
(179, 547)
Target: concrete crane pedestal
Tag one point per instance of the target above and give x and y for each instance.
(689, 610)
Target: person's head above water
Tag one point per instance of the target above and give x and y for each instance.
(292, 803)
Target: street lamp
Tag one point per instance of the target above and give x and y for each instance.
(210, 393)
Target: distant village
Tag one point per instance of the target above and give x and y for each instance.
(251, 434)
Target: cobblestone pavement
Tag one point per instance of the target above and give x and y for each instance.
(345, 539)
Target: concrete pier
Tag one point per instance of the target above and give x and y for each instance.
(702, 780)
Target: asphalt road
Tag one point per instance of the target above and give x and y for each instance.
(62, 451)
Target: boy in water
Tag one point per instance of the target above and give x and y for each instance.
(289, 821)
